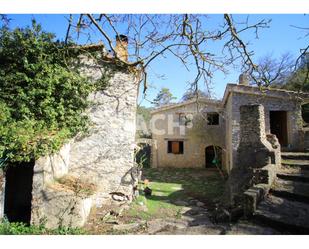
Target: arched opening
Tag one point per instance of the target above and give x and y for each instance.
(142, 155)
(213, 157)
(18, 192)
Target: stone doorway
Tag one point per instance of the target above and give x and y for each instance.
(278, 126)
(213, 156)
(305, 114)
(18, 192)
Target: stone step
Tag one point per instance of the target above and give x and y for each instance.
(295, 155)
(303, 164)
(294, 174)
(290, 217)
(292, 190)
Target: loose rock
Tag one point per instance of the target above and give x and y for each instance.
(125, 227)
(199, 204)
(181, 203)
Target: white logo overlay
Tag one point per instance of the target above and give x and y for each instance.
(165, 124)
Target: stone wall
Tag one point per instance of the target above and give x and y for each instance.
(106, 155)
(102, 159)
(196, 137)
(254, 150)
(257, 154)
(290, 105)
(228, 131)
(227, 134)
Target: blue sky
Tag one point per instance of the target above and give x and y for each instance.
(276, 40)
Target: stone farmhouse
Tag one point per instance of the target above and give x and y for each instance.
(92, 169)
(243, 134)
(204, 132)
(255, 137)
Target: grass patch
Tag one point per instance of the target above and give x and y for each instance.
(149, 208)
(171, 187)
(202, 184)
(18, 228)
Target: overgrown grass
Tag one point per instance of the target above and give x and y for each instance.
(171, 186)
(7, 228)
(206, 185)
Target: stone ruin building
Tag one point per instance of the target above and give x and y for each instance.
(91, 170)
(199, 126)
(245, 135)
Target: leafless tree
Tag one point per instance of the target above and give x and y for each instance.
(271, 70)
(187, 37)
(4, 19)
(284, 71)
(303, 51)
(304, 55)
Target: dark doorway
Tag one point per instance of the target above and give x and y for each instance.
(213, 156)
(278, 126)
(305, 114)
(18, 192)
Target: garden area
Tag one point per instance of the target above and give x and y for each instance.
(181, 201)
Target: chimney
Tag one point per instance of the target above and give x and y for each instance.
(122, 47)
(243, 79)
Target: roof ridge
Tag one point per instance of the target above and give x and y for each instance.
(190, 101)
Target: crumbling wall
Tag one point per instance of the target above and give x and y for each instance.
(49, 205)
(256, 156)
(103, 158)
(290, 105)
(106, 155)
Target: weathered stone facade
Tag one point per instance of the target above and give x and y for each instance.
(104, 158)
(257, 158)
(227, 134)
(94, 167)
(196, 136)
(271, 100)
(255, 125)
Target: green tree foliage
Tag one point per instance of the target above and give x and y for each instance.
(298, 81)
(144, 112)
(143, 122)
(191, 94)
(42, 98)
(164, 97)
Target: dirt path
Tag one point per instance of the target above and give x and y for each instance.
(182, 202)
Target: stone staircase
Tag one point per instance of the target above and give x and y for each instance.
(286, 207)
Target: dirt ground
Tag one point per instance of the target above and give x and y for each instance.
(182, 201)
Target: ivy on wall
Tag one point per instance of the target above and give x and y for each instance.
(42, 98)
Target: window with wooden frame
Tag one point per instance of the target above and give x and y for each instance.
(213, 118)
(175, 147)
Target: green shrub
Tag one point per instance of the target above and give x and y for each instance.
(42, 98)
(7, 228)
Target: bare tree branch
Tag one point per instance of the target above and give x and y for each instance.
(68, 29)
(186, 37)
